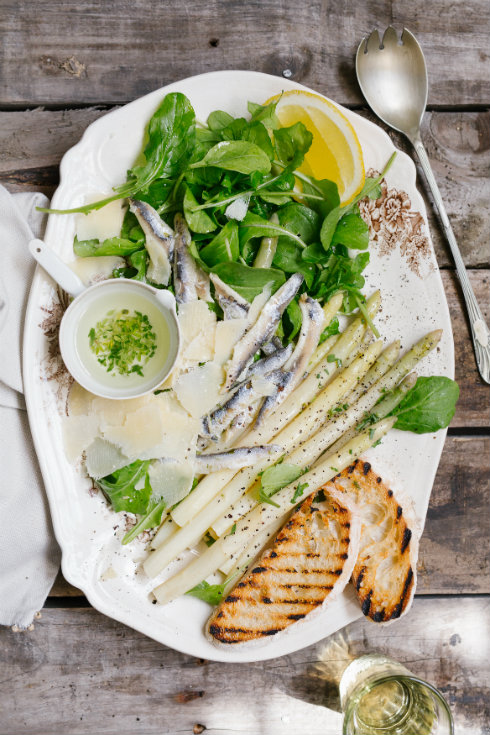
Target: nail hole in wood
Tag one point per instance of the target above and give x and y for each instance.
(214, 42)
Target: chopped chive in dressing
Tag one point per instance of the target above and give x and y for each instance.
(123, 341)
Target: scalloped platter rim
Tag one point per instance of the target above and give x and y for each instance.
(402, 265)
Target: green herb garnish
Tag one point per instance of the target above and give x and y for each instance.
(123, 342)
(299, 492)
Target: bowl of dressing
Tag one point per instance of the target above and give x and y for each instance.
(119, 338)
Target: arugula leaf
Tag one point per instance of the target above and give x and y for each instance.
(252, 132)
(111, 246)
(211, 593)
(288, 257)
(139, 260)
(428, 406)
(299, 491)
(171, 139)
(219, 119)
(292, 320)
(292, 144)
(254, 226)
(266, 114)
(278, 476)
(330, 330)
(222, 248)
(299, 220)
(352, 232)
(329, 226)
(248, 281)
(197, 219)
(152, 519)
(136, 269)
(236, 155)
(120, 487)
(325, 188)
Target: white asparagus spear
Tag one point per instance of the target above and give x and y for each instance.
(306, 453)
(264, 515)
(340, 429)
(166, 529)
(300, 429)
(303, 394)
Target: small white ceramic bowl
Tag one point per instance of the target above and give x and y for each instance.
(85, 299)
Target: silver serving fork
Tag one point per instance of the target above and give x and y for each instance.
(392, 75)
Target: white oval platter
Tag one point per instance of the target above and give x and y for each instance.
(402, 266)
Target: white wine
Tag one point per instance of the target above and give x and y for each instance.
(381, 697)
(116, 305)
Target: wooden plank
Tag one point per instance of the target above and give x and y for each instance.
(118, 50)
(457, 524)
(473, 408)
(455, 547)
(33, 142)
(80, 672)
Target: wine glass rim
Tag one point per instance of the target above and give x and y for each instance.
(410, 677)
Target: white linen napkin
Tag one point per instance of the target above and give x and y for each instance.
(29, 554)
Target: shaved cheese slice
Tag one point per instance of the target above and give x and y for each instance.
(195, 317)
(140, 433)
(101, 223)
(79, 400)
(238, 208)
(227, 335)
(199, 389)
(104, 458)
(262, 386)
(93, 270)
(258, 304)
(113, 413)
(78, 433)
(201, 349)
(170, 480)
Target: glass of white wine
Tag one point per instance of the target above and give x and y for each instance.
(379, 696)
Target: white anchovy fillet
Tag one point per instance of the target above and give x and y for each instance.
(242, 402)
(234, 459)
(294, 368)
(234, 306)
(263, 329)
(159, 241)
(190, 282)
(272, 346)
(271, 362)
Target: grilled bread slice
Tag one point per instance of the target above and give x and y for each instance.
(384, 575)
(311, 558)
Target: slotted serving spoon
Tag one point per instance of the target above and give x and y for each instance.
(393, 78)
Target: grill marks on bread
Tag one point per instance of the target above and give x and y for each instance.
(384, 574)
(311, 556)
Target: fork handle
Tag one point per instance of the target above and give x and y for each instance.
(479, 329)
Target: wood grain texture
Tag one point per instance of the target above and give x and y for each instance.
(80, 672)
(33, 142)
(118, 50)
(473, 407)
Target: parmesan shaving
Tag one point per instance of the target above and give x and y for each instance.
(199, 389)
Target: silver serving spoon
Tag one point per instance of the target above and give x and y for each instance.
(393, 78)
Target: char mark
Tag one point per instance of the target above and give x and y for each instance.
(366, 467)
(407, 535)
(296, 616)
(367, 603)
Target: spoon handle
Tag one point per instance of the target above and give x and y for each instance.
(479, 329)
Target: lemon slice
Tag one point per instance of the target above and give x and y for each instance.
(335, 152)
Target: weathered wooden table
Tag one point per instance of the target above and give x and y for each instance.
(64, 65)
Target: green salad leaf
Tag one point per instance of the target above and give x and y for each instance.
(120, 487)
(428, 406)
